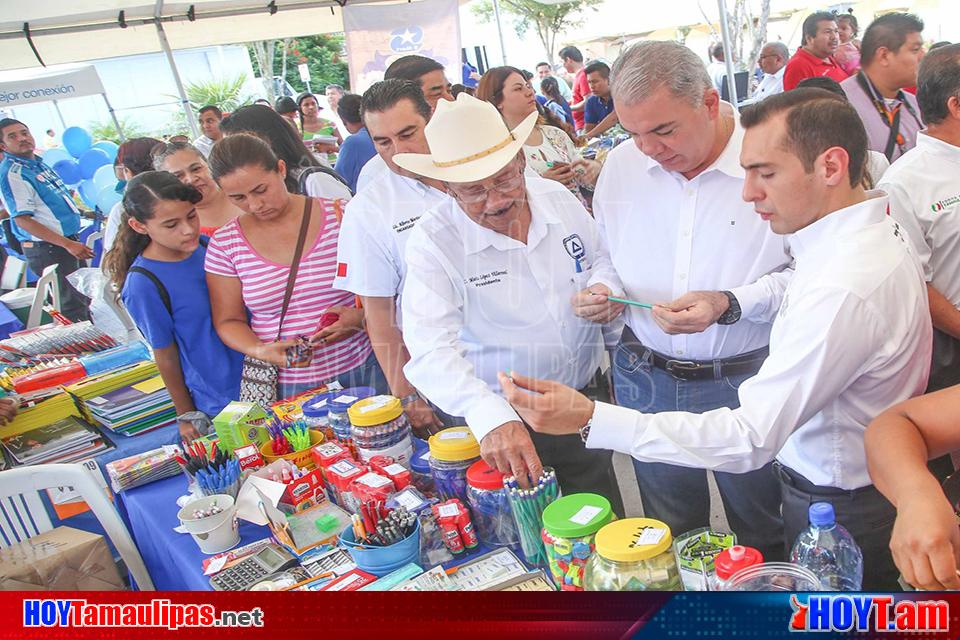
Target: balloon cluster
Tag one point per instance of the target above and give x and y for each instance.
(87, 166)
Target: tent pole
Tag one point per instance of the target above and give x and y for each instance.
(63, 123)
(113, 115)
(165, 44)
(496, 13)
(728, 52)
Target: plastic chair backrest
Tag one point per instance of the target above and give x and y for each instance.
(22, 514)
(14, 274)
(47, 280)
(91, 242)
(110, 298)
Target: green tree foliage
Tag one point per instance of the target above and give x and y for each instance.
(548, 20)
(324, 55)
(106, 130)
(223, 92)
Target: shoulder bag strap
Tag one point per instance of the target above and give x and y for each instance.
(892, 121)
(295, 265)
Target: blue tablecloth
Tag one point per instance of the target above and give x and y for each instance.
(9, 323)
(173, 559)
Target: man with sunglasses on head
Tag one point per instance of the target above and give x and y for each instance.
(490, 275)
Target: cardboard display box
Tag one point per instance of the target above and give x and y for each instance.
(63, 559)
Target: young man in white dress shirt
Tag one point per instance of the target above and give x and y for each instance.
(852, 336)
(376, 225)
(490, 275)
(669, 207)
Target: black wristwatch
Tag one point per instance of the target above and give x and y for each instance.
(732, 314)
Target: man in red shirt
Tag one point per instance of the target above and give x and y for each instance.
(821, 37)
(573, 63)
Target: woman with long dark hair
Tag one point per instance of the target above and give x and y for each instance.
(157, 265)
(304, 173)
(551, 91)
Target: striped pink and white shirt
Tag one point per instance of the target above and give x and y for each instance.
(263, 283)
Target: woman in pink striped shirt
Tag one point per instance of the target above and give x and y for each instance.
(248, 263)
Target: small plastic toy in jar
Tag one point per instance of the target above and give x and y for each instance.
(569, 527)
(380, 428)
(634, 554)
(452, 451)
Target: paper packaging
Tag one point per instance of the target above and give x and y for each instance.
(249, 457)
(304, 492)
(63, 559)
(239, 424)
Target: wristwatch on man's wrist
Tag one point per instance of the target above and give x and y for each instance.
(585, 430)
(732, 314)
(408, 400)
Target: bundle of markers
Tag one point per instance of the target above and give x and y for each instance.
(72, 339)
(527, 506)
(396, 526)
(288, 438)
(214, 471)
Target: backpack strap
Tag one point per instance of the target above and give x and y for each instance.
(161, 289)
(307, 171)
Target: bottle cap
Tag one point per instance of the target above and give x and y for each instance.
(480, 475)
(821, 514)
(731, 560)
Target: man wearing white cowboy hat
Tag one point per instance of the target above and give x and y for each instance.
(490, 276)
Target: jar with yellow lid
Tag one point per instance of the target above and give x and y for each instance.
(378, 427)
(635, 554)
(452, 451)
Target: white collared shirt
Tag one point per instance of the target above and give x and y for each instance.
(477, 302)
(770, 85)
(668, 235)
(852, 337)
(924, 190)
(204, 145)
(377, 223)
(373, 168)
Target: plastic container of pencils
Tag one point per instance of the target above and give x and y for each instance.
(316, 413)
(492, 516)
(634, 554)
(569, 527)
(452, 451)
(527, 506)
(420, 475)
(380, 428)
(337, 416)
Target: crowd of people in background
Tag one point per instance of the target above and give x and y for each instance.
(790, 262)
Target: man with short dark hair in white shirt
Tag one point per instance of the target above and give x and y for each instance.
(376, 225)
(668, 205)
(852, 336)
(491, 271)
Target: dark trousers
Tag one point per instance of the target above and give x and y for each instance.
(582, 470)
(864, 512)
(679, 496)
(40, 255)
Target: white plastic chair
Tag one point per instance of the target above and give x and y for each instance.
(47, 281)
(22, 514)
(91, 241)
(14, 274)
(110, 298)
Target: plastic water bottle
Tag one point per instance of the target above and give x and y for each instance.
(829, 551)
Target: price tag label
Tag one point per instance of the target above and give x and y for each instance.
(650, 536)
(585, 515)
(454, 435)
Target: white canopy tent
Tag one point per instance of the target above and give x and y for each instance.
(52, 84)
(48, 32)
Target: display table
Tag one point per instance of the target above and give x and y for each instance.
(173, 559)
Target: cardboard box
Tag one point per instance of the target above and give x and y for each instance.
(63, 559)
(239, 424)
(305, 492)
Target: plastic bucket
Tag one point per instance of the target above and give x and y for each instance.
(382, 560)
(774, 576)
(303, 459)
(215, 533)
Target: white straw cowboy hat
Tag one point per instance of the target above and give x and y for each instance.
(468, 140)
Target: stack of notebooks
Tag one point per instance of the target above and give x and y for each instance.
(128, 401)
(39, 408)
(66, 440)
(141, 468)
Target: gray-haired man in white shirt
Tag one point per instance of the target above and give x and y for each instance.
(852, 336)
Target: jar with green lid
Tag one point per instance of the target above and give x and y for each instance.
(635, 554)
(569, 527)
(378, 427)
(452, 451)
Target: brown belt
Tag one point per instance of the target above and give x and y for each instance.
(743, 364)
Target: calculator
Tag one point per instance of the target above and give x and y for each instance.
(252, 570)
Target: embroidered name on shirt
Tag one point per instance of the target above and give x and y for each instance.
(486, 279)
(405, 225)
(937, 207)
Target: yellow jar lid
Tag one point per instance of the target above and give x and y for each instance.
(454, 444)
(375, 410)
(633, 539)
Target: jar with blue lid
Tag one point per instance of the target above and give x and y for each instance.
(420, 475)
(316, 412)
(338, 405)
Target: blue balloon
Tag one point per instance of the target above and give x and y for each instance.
(106, 198)
(69, 171)
(91, 160)
(105, 177)
(53, 156)
(88, 193)
(77, 141)
(109, 146)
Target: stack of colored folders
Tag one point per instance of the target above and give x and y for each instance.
(66, 440)
(40, 408)
(128, 401)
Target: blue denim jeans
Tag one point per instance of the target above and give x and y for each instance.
(368, 374)
(680, 496)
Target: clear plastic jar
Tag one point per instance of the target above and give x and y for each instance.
(634, 554)
(569, 527)
(316, 415)
(492, 516)
(696, 552)
(452, 451)
(337, 416)
(420, 475)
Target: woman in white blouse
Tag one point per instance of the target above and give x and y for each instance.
(550, 150)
